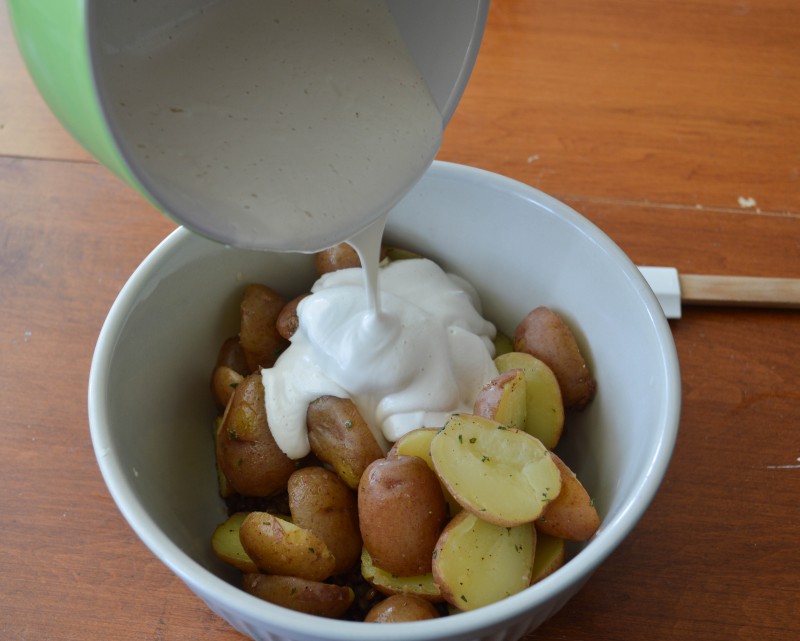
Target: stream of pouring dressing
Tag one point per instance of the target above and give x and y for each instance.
(300, 121)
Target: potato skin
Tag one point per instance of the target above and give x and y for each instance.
(339, 436)
(543, 334)
(421, 585)
(401, 511)
(224, 382)
(341, 256)
(279, 547)
(287, 321)
(320, 502)
(232, 355)
(399, 608)
(503, 399)
(247, 454)
(301, 595)
(258, 333)
(571, 515)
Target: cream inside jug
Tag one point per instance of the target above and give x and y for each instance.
(289, 124)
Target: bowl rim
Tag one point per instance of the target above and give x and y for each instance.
(211, 587)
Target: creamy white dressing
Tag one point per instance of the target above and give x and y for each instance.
(423, 356)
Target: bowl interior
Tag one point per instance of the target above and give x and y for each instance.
(151, 415)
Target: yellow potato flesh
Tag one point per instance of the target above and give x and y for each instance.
(502, 475)
(227, 546)
(385, 582)
(550, 555)
(544, 417)
(418, 443)
(477, 563)
(504, 399)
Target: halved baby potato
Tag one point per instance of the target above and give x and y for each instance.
(504, 399)
(544, 414)
(277, 546)
(301, 595)
(550, 555)
(476, 563)
(400, 608)
(401, 512)
(572, 514)
(502, 475)
(227, 546)
(387, 583)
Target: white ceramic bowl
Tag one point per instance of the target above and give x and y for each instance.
(151, 417)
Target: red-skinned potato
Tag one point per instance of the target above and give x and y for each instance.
(247, 455)
(341, 256)
(287, 321)
(224, 382)
(301, 595)
(545, 335)
(544, 408)
(258, 332)
(401, 513)
(232, 355)
(571, 515)
(421, 585)
(503, 399)
(418, 443)
(277, 546)
(340, 437)
(320, 502)
(399, 608)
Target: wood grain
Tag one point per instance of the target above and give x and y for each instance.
(674, 127)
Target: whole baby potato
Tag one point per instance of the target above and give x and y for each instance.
(311, 597)
(544, 334)
(279, 547)
(401, 607)
(247, 455)
(340, 436)
(258, 332)
(401, 511)
(320, 502)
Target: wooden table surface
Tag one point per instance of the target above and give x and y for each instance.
(673, 126)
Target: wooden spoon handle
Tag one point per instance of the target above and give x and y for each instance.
(740, 291)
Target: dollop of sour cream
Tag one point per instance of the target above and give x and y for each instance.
(423, 356)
